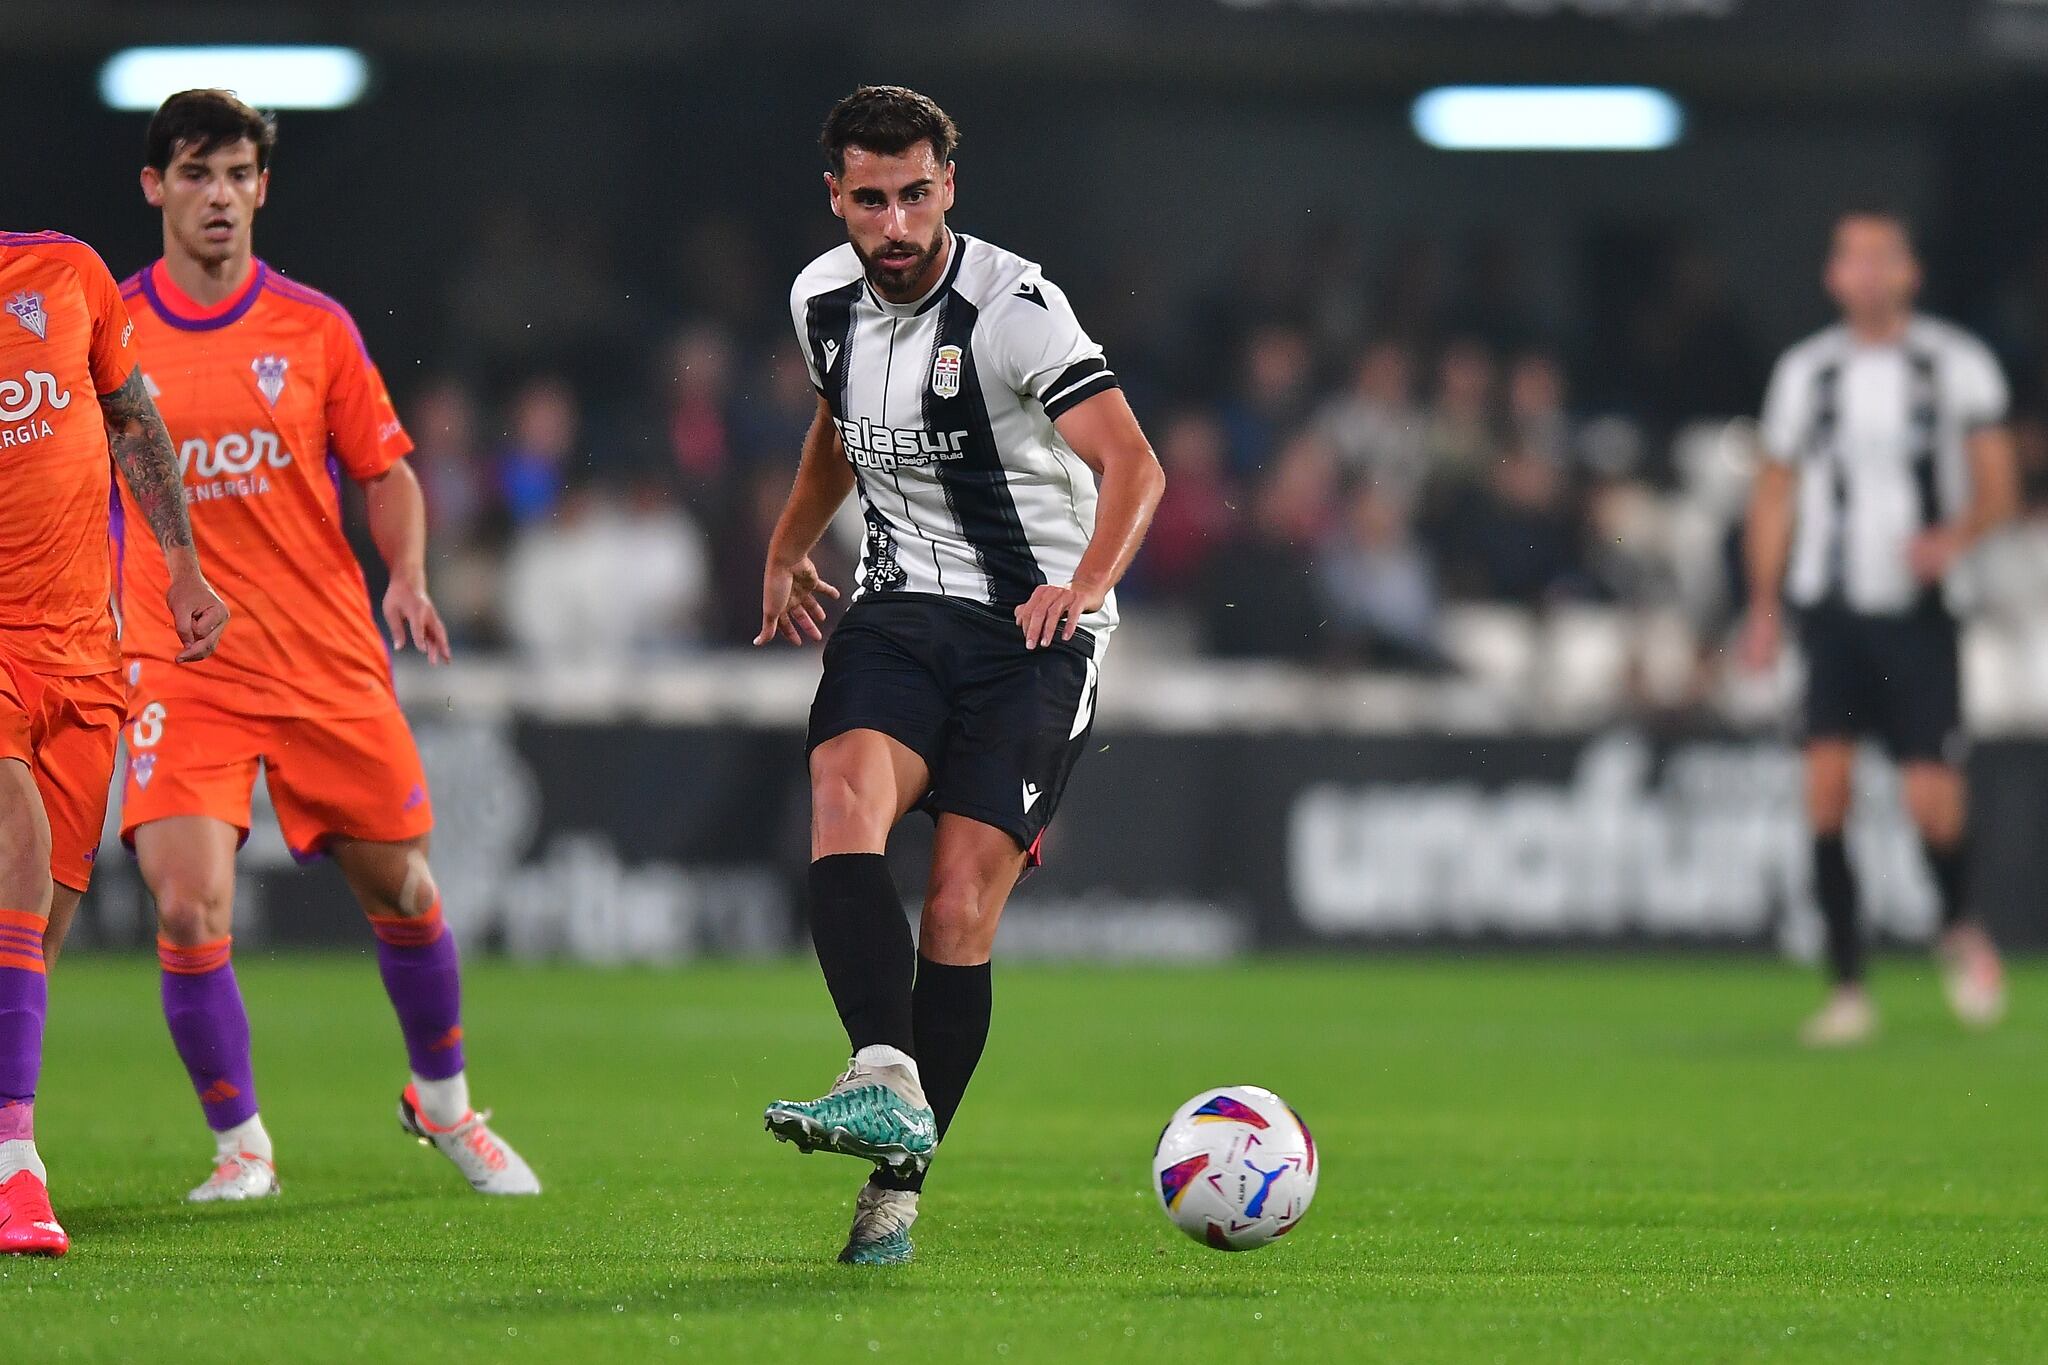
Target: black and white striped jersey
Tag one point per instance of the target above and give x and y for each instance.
(946, 409)
(1879, 436)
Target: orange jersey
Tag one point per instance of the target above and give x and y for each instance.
(65, 339)
(270, 398)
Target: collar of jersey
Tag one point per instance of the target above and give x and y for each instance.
(176, 307)
(918, 307)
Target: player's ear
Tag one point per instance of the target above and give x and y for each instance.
(262, 188)
(949, 187)
(152, 187)
(832, 190)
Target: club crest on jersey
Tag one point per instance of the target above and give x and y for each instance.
(27, 308)
(946, 372)
(270, 376)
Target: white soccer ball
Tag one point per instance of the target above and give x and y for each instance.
(1235, 1168)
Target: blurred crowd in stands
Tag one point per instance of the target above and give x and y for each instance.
(1356, 442)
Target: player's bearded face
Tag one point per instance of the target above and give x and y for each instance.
(210, 201)
(895, 212)
(1871, 270)
(902, 265)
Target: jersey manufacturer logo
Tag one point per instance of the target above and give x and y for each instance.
(270, 376)
(142, 768)
(1031, 293)
(27, 308)
(831, 349)
(1031, 794)
(946, 372)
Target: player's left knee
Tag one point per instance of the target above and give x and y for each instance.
(959, 919)
(418, 894)
(1934, 800)
(409, 892)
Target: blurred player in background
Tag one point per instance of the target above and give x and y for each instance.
(65, 339)
(962, 402)
(271, 398)
(1887, 460)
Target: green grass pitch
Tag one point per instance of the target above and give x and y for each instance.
(1612, 1159)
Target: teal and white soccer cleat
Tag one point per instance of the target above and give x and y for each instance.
(877, 1113)
(881, 1227)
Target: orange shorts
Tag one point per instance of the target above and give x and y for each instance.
(353, 777)
(66, 730)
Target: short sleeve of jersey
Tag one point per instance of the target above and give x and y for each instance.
(363, 429)
(1785, 413)
(799, 316)
(113, 333)
(1979, 388)
(1035, 345)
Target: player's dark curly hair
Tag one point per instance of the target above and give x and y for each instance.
(202, 122)
(1882, 211)
(887, 119)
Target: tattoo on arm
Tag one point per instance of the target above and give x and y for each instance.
(142, 449)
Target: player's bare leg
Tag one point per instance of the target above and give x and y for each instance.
(1972, 976)
(27, 1226)
(862, 783)
(63, 909)
(188, 863)
(1847, 1017)
(974, 869)
(422, 974)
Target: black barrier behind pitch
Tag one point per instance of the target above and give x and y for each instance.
(624, 842)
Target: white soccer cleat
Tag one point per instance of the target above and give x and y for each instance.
(1972, 977)
(239, 1176)
(1846, 1020)
(486, 1160)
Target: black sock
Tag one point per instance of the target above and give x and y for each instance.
(864, 945)
(1950, 867)
(1835, 887)
(950, 1011)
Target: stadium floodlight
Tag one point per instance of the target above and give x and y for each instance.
(1548, 118)
(141, 78)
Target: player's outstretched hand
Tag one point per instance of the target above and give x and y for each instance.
(1055, 611)
(790, 605)
(1932, 553)
(199, 615)
(409, 612)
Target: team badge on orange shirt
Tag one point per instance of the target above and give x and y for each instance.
(269, 376)
(27, 308)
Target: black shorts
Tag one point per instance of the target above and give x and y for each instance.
(999, 726)
(1897, 679)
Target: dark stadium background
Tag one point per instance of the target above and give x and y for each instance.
(567, 234)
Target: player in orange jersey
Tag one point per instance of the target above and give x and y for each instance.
(65, 338)
(271, 399)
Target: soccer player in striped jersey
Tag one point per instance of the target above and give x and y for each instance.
(1887, 461)
(961, 402)
(272, 399)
